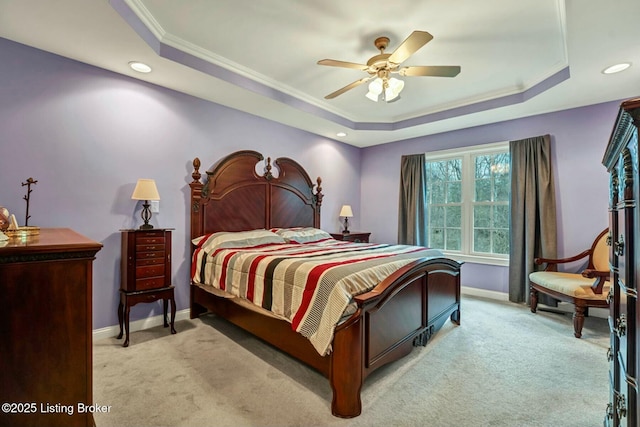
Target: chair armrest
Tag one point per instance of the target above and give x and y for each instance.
(552, 263)
(591, 274)
(600, 276)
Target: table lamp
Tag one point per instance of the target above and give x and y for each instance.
(347, 213)
(145, 190)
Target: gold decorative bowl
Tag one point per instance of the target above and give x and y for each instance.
(23, 232)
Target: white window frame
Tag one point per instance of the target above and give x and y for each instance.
(467, 153)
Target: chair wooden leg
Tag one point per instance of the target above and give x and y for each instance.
(578, 321)
(534, 299)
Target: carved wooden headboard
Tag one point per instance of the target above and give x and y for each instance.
(236, 198)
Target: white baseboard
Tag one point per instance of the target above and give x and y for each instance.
(484, 293)
(137, 325)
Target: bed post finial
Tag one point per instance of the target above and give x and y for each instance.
(267, 170)
(196, 172)
(319, 194)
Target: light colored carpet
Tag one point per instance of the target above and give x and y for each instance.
(504, 366)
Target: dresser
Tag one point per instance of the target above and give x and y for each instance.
(621, 161)
(46, 329)
(354, 236)
(145, 269)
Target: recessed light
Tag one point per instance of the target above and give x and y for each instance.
(341, 134)
(140, 67)
(616, 68)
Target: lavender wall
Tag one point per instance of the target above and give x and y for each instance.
(87, 135)
(578, 137)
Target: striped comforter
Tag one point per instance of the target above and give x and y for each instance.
(309, 284)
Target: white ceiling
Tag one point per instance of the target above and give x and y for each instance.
(517, 58)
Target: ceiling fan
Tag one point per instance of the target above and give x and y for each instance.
(380, 67)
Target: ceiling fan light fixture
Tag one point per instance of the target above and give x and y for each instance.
(372, 96)
(393, 89)
(389, 95)
(376, 85)
(375, 89)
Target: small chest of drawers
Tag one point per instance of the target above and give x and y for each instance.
(145, 269)
(146, 259)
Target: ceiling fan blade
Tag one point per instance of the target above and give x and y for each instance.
(334, 63)
(431, 70)
(348, 87)
(409, 46)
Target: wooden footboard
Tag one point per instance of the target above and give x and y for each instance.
(403, 311)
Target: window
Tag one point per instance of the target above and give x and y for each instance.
(468, 202)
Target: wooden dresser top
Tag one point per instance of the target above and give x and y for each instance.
(50, 240)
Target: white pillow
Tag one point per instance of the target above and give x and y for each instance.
(303, 234)
(236, 239)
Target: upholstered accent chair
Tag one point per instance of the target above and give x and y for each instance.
(588, 288)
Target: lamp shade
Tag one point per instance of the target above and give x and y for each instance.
(145, 190)
(372, 96)
(393, 89)
(346, 211)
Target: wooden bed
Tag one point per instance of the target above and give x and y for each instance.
(402, 311)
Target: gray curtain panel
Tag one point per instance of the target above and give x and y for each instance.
(412, 213)
(533, 212)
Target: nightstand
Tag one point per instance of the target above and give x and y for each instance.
(354, 236)
(145, 274)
